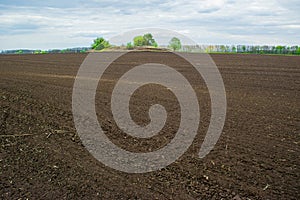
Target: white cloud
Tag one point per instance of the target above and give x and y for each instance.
(63, 25)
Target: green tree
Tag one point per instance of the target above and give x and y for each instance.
(148, 40)
(223, 48)
(209, 49)
(298, 50)
(255, 49)
(244, 48)
(100, 43)
(138, 41)
(175, 44)
(279, 49)
(145, 40)
(233, 48)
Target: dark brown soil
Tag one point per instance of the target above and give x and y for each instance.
(257, 156)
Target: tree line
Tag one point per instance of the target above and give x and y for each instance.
(252, 49)
(38, 51)
(147, 40)
(175, 45)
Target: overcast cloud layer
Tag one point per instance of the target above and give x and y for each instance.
(39, 24)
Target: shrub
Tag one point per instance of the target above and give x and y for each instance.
(129, 45)
(100, 43)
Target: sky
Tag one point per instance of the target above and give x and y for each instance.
(36, 24)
